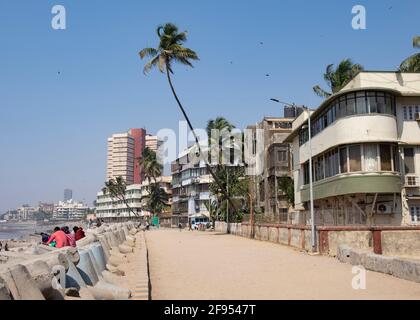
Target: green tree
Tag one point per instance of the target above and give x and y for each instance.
(156, 201)
(412, 63)
(152, 167)
(117, 188)
(234, 180)
(339, 77)
(224, 127)
(286, 186)
(213, 209)
(169, 51)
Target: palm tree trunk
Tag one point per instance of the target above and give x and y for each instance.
(216, 179)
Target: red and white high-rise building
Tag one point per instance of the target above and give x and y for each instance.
(124, 152)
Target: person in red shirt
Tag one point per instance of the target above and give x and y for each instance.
(70, 237)
(59, 237)
(78, 233)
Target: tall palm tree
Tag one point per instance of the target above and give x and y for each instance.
(339, 77)
(152, 168)
(412, 63)
(157, 200)
(222, 125)
(234, 180)
(169, 51)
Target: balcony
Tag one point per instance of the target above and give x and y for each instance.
(412, 181)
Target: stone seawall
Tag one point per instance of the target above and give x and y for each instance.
(386, 240)
(91, 271)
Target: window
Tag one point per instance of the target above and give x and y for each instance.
(410, 112)
(415, 214)
(306, 173)
(371, 157)
(335, 163)
(396, 159)
(355, 158)
(371, 101)
(361, 103)
(319, 168)
(328, 165)
(385, 152)
(409, 161)
(281, 156)
(343, 160)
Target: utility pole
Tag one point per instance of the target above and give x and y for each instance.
(311, 186)
(227, 201)
(251, 208)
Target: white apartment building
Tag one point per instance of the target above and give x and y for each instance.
(120, 161)
(365, 153)
(153, 143)
(108, 207)
(190, 188)
(70, 210)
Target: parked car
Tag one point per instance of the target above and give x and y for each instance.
(197, 222)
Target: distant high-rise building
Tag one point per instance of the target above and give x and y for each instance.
(153, 143)
(139, 136)
(68, 194)
(124, 151)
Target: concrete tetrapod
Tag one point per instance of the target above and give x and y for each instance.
(86, 268)
(43, 276)
(125, 249)
(107, 291)
(98, 253)
(4, 291)
(115, 270)
(74, 278)
(56, 258)
(133, 231)
(116, 260)
(129, 243)
(20, 283)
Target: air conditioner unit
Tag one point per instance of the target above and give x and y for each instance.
(384, 208)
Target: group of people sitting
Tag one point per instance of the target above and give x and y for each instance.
(63, 237)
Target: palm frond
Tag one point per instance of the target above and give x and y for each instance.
(148, 52)
(162, 62)
(149, 65)
(411, 64)
(416, 42)
(170, 29)
(321, 92)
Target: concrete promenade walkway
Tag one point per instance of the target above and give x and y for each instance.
(195, 265)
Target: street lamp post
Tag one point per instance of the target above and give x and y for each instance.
(311, 187)
(227, 204)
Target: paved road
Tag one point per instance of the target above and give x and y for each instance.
(192, 265)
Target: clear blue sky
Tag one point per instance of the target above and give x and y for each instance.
(54, 126)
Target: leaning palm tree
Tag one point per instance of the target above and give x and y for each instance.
(117, 188)
(412, 63)
(152, 168)
(156, 201)
(169, 51)
(339, 77)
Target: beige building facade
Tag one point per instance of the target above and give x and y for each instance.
(120, 160)
(365, 153)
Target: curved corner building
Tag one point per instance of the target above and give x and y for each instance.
(365, 153)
